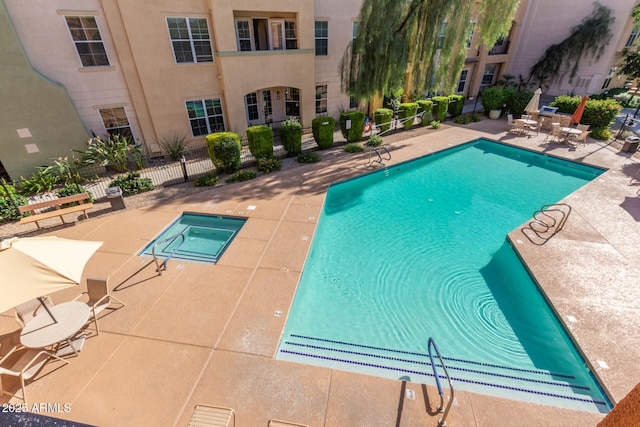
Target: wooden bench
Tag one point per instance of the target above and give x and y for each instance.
(58, 209)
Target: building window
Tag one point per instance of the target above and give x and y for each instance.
(443, 30)
(607, 80)
(633, 36)
(251, 101)
(321, 99)
(322, 38)
(205, 116)
(86, 37)
(243, 35)
(190, 39)
(290, 35)
(488, 76)
(292, 101)
(353, 102)
(473, 29)
(462, 82)
(116, 122)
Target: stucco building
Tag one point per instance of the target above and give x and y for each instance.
(73, 69)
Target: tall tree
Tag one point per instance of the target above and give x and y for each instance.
(422, 39)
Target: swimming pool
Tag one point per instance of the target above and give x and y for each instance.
(195, 237)
(418, 250)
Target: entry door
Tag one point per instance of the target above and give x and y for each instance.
(251, 105)
(268, 108)
(276, 34)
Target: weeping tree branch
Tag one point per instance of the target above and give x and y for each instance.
(402, 36)
(587, 39)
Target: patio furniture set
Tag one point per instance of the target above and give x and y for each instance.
(560, 129)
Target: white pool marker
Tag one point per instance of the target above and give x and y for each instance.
(519, 241)
(240, 212)
(430, 200)
(229, 211)
(251, 208)
(411, 394)
(456, 212)
(305, 237)
(312, 218)
(277, 313)
(603, 364)
(572, 319)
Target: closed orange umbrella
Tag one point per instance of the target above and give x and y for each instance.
(577, 115)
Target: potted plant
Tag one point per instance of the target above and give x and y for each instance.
(492, 101)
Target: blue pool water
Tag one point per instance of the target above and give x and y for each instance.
(419, 250)
(195, 237)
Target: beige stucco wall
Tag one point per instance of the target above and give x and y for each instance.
(36, 106)
(51, 51)
(544, 25)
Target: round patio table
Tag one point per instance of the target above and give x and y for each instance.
(42, 331)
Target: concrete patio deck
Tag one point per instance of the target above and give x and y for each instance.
(208, 333)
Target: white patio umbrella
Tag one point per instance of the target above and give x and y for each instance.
(32, 267)
(533, 105)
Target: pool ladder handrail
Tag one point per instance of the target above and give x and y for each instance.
(160, 268)
(541, 219)
(432, 344)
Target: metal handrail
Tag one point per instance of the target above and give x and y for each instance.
(442, 422)
(539, 219)
(172, 238)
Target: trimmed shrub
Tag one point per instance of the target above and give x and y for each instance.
(208, 180)
(425, 107)
(566, 104)
(602, 134)
(440, 107)
(382, 117)
(291, 136)
(599, 114)
(311, 157)
(516, 101)
(353, 147)
(405, 110)
(243, 175)
(356, 118)
(269, 164)
(224, 151)
(456, 104)
(374, 141)
(260, 139)
(131, 183)
(322, 128)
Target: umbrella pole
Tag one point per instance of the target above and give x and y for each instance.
(41, 299)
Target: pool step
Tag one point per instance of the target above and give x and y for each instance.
(466, 374)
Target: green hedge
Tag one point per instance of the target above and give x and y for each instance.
(492, 99)
(260, 139)
(408, 109)
(425, 108)
(598, 113)
(382, 117)
(456, 104)
(224, 151)
(440, 107)
(357, 122)
(322, 128)
(516, 101)
(291, 136)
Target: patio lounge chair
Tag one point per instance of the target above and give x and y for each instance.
(28, 310)
(212, 416)
(23, 363)
(579, 139)
(99, 297)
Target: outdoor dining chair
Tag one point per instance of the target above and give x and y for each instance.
(28, 310)
(99, 297)
(518, 127)
(579, 139)
(555, 135)
(23, 363)
(582, 127)
(535, 128)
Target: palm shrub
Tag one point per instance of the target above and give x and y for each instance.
(382, 117)
(440, 107)
(115, 151)
(322, 128)
(260, 139)
(425, 107)
(291, 136)
(224, 151)
(175, 145)
(41, 181)
(406, 111)
(356, 118)
(456, 104)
